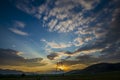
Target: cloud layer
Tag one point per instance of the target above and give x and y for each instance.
(60, 16)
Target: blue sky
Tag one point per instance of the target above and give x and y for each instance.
(76, 31)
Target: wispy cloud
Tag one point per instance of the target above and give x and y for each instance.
(19, 32)
(15, 29)
(19, 24)
(56, 45)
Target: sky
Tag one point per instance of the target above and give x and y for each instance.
(35, 34)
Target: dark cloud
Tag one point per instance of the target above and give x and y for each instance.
(84, 59)
(71, 62)
(52, 56)
(111, 56)
(87, 59)
(12, 58)
(68, 52)
(112, 37)
(35, 62)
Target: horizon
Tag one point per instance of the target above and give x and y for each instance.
(37, 34)
(112, 66)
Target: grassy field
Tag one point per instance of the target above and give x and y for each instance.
(100, 76)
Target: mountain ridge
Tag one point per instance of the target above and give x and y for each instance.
(97, 68)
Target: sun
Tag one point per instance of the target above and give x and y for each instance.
(62, 67)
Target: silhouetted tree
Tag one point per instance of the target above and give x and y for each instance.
(22, 75)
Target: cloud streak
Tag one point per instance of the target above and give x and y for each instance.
(15, 29)
(55, 45)
(19, 32)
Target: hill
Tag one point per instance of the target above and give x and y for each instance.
(98, 68)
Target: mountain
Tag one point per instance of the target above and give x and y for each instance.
(98, 68)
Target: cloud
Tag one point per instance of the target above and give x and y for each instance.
(30, 8)
(15, 29)
(87, 59)
(67, 55)
(19, 24)
(61, 55)
(56, 45)
(87, 4)
(105, 39)
(19, 32)
(52, 56)
(108, 47)
(9, 57)
(83, 60)
(78, 41)
(78, 66)
(68, 16)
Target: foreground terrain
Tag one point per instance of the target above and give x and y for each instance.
(98, 76)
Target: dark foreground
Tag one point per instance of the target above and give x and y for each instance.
(100, 76)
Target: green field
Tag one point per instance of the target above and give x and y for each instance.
(100, 76)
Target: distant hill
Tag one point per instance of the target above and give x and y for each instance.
(7, 71)
(98, 68)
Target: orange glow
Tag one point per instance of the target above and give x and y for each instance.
(63, 67)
